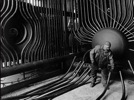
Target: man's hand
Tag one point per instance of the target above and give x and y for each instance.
(111, 69)
(92, 61)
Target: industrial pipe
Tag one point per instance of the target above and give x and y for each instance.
(33, 65)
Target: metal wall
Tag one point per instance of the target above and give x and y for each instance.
(33, 30)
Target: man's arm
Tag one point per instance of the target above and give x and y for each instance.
(111, 60)
(92, 55)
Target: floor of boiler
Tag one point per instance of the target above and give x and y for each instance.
(85, 92)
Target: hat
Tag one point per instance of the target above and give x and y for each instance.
(108, 43)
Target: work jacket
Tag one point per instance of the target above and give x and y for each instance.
(101, 57)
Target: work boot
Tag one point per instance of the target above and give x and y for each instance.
(92, 84)
(104, 85)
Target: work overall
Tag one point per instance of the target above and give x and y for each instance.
(101, 62)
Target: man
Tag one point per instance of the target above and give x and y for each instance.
(100, 57)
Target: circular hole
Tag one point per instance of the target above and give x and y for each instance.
(13, 32)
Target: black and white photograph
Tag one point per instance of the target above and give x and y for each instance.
(67, 49)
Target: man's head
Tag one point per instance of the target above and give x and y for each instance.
(107, 46)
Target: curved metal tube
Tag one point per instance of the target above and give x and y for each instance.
(77, 81)
(64, 77)
(63, 83)
(102, 94)
(56, 82)
(123, 87)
